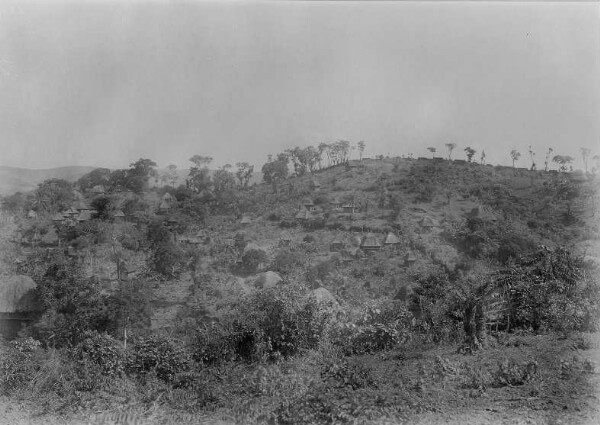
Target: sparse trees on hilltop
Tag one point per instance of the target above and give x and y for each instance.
(548, 153)
(470, 152)
(482, 159)
(514, 155)
(532, 155)
(585, 154)
(450, 147)
(361, 149)
(563, 161)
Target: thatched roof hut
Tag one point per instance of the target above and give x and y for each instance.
(303, 215)
(252, 246)
(164, 205)
(267, 280)
(167, 197)
(84, 215)
(370, 242)
(82, 206)
(427, 222)
(323, 296)
(481, 213)
(118, 214)
(17, 294)
(391, 239)
(58, 217)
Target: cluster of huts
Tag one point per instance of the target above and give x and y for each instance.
(307, 210)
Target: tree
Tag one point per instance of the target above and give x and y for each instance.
(450, 147)
(276, 171)
(170, 176)
(563, 161)
(99, 176)
(166, 257)
(548, 153)
(103, 206)
(325, 148)
(199, 175)
(585, 154)
(244, 174)
(143, 167)
(433, 151)
(322, 148)
(361, 149)
(482, 159)
(53, 195)
(515, 155)
(224, 183)
(531, 155)
(71, 304)
(470, 152)
(595, 168)
(471, 291)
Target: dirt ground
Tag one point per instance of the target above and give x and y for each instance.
(565, 392)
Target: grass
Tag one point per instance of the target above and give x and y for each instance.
(543, 377)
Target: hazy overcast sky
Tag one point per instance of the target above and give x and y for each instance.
(104, 83)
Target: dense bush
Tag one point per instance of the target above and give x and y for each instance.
(552, 289)
(216, 344)
(162, 355)
(103, 350)
(378, 327)
(280, 321)
(286, 261)
(18, 364)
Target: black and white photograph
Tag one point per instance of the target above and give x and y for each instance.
(299, 212)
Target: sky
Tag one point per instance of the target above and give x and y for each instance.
(104, 83)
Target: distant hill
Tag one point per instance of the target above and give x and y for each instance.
(14, 179)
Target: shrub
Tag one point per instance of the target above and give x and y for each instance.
(17, 364)
(102, 350)
(286, 261)
(378, 328)
(511, 373)
(339, 373)
(279, 322)
(215, 344)
(160, 354)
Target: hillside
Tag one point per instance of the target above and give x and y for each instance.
(295, 300)
(24, 179)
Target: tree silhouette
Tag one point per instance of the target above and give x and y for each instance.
(515, 155)
(450, 147)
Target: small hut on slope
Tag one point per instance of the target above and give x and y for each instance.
(370, 243)
(18, 304)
